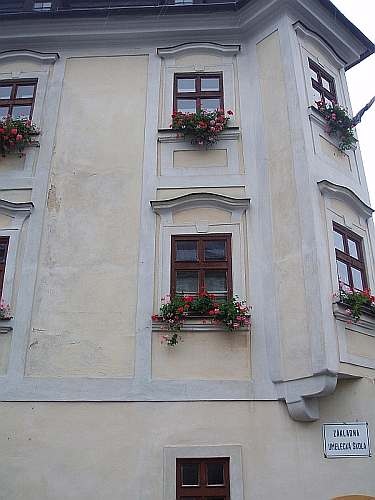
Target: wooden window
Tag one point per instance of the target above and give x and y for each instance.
(323, 84)
(349, 257)
(4, 242)
(202, 263)
(194, 92)
(202, 479)
(17, 98)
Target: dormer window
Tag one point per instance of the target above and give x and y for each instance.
(323, 84)
(196, 92)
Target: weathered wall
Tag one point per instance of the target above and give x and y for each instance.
(85, 300)
(101, 451)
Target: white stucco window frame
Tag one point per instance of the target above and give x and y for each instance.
(233, 452)
(170, 65)
(18, 213)
(41, 75)
(236, 227)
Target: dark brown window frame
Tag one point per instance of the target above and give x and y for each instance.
(325, 95)
(203, 490)
(198, 94)
(13, 101)
(4, 240)
(202, 265)
(345, 256)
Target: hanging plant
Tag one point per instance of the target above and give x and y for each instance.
(202, 128)
(355, 301)
(338, 123)
(232, 313)
(5, 311)
(16, 134)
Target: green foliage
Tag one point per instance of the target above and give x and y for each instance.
(16, 134)
(338, 123)
(203, 128)
(356, 300)
(232, 313)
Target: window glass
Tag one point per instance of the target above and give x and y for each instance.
(353, 251)
(186, 251)
(325, 84)
(187, 282)
(4, 112)
(216, 282)
(357, 279)
(3, 252)
(339, 240)
(210, 104)
(215, 474)
(210, 84)
(5, 92)
(214, 250)
(316, 95)
(186, 105)
(186, 85)
(190, 474)
(21, 111)
(25, 91)
(342, 271)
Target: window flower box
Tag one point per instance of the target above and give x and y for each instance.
(16, 134)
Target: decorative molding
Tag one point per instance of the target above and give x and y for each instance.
(42, 57)
(197, 200)
(331, 190)
(304, 32)
(19, 210)
(167, 135)
(229, 50)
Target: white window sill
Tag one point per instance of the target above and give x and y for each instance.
(367, 319)
(168, 135)
(198, 324)
(5, 326)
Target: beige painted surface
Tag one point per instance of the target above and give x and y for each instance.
(85, 300)
(287, 253)
(5, 342)
(166, 193)
(195, 215)
(104, 451)
(360, 344)
(329, 149)
(206, 158)
(5, 221)
(208, 355)
(16, 195)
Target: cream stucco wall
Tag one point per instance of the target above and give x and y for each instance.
(84, 309)
(101, 451)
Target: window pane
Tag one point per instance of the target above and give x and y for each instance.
(353, 250)
(4, 111)
(210, 104)
(339, 241)
(210, 84)
(214, 250)
(186, 105)
(186, 251)
(316, 95)
(186, 282)
(25, 92)
(216, 282)
(5, 92)
(357, 279)
(186, 85)
(3, 252)
(21, 111)
(190, 474)
(342, 271)
(215, 474)
(325, 83)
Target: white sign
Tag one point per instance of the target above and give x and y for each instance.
(346, 440)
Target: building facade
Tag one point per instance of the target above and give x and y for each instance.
(93, 404)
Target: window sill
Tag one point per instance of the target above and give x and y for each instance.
(5, 326)
(367, 319)
(198, 324)
(168, 135)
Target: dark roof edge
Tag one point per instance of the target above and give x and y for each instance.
(353, 29)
